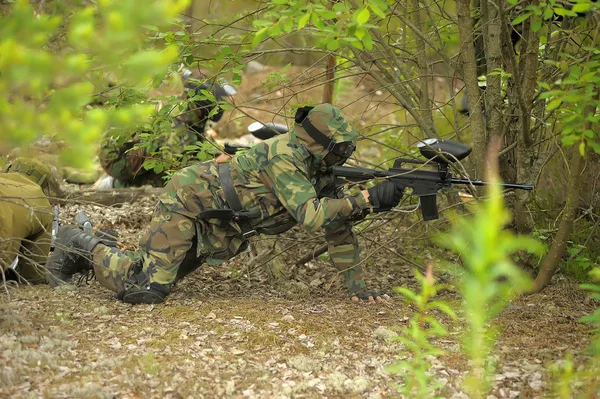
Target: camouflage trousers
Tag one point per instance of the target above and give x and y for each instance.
(178, 240)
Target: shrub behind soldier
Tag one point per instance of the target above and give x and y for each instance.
(122, 157)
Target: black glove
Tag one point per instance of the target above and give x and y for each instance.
(386, 195)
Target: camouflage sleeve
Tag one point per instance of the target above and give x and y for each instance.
(296, 193)
(344, 253)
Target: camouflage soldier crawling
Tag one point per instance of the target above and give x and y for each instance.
(123, 160)
(208, 210)
(26, 219)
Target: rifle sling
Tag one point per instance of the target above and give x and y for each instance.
(235, 212)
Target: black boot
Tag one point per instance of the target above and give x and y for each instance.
(72, 254)
(139, 290)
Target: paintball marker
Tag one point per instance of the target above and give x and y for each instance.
(424, 183)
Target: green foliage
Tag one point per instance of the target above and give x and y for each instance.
(423, 327)
(537, 13)
(150, 364)
(335, 26)
(49, 61)
(583, 381)
(489, 279)
(575, 100)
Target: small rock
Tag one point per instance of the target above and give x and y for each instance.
(512, 374)
(537, 385)
(336, 381)
(360, 384)
(316, 282)
(303, 363)
(101, 310)
(535, 381)
(384, 334)
(288, 317)
(230, 387)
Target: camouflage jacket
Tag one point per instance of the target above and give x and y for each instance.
(279, 174)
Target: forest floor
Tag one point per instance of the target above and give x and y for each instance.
(227, 331)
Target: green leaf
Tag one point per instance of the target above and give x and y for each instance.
(362, 16)
(407, 293)
(368, 41)
(333, 44)
(554, 104)
(559, 11)
(236, 78)
(316, 21)
(582, 7)
(360, 33)
(536, 24)
(357, 44)
(304, 20)
(521, 18)
(582, 149)
(275, 30)
(595, 146)
(377, 10)
(259, 36)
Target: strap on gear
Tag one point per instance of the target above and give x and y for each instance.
(233, 200)
(30, 171)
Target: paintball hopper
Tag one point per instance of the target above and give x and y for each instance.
(83, 221)
(265, 131)
(224, 89)
(220, 90)
(443, 151)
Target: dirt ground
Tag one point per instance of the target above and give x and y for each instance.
(227, 331)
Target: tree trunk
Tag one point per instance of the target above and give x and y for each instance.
(493, 55)
(425, 104)
(109, 197)
(329, 86)
(469, 67)
(559, 245)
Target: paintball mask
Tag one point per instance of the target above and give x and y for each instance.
(337, 153)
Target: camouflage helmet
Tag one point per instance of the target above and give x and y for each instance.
(40, 173)
(324, 130)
